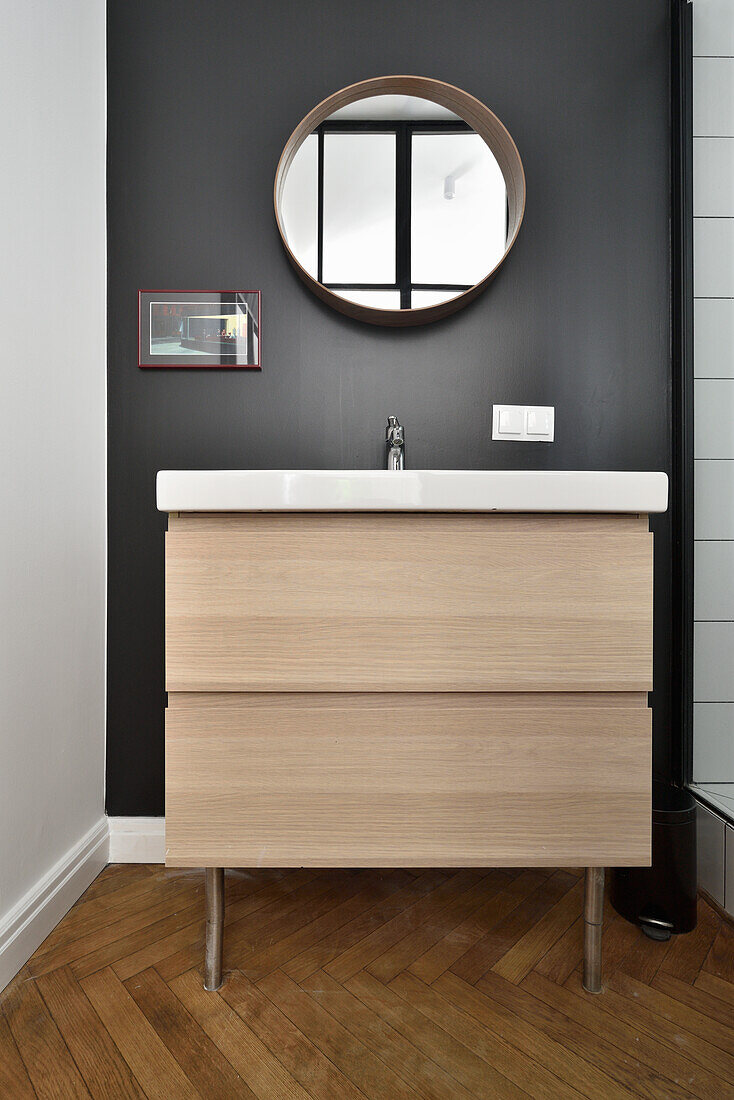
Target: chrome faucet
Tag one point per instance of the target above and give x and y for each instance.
(395, 443)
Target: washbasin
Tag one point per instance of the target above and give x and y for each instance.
(411, 490)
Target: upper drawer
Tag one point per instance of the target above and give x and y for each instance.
(396, 602)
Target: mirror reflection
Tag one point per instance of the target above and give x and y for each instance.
(396, 203)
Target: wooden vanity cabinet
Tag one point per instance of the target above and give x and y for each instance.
(394, 689)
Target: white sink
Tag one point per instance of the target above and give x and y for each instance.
(410, 491)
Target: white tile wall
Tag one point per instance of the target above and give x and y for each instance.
(713, 96)
(713, 177)
(714, 582)
(713, 257)
(714, 500)
(713, 745)
(713, 403)
(713, 337)
(713, 235)
(713, 28)
(713, 674)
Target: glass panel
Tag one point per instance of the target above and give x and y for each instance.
(392, 107)
(459, 204)
(299, 205)
(422, 298)
(376, 299)
(359, 208)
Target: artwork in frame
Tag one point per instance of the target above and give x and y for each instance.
(199, 328)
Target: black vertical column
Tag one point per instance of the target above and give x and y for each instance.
(681, 497)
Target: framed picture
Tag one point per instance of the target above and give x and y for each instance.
(199, 328)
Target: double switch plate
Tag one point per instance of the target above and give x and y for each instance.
(530, 423)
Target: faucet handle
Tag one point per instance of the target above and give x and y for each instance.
(394, 431)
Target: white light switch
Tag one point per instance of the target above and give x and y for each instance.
(540, 421)
(511, 420)
(531, 423)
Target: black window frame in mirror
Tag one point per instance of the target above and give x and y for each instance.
(404, 132)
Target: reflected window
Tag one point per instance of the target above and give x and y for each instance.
(396, 214)
(358, 209)
(458, 203)
(375, 299)
(423, 298)
(300, 205)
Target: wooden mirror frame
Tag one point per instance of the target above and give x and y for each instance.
(479, 117)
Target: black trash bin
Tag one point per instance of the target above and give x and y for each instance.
(661, 899)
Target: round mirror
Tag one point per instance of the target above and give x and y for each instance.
(398, 198)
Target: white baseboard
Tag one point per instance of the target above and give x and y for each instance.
(28, 923)
(137, 839)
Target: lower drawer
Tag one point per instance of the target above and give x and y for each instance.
(370, 780)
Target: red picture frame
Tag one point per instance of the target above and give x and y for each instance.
(199, 330)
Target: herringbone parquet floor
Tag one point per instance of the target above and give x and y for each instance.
(382, 984)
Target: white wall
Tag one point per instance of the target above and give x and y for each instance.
(52, 458)
(713, 234)
(713, 206)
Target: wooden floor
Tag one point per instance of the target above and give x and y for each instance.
(344, 985)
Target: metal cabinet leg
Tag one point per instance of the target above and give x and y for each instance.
(214, 927)
(593, 912)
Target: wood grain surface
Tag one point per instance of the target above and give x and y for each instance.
(339, 985)
(376, 602)
(405, 780)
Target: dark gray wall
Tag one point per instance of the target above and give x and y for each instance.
(202, 96)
